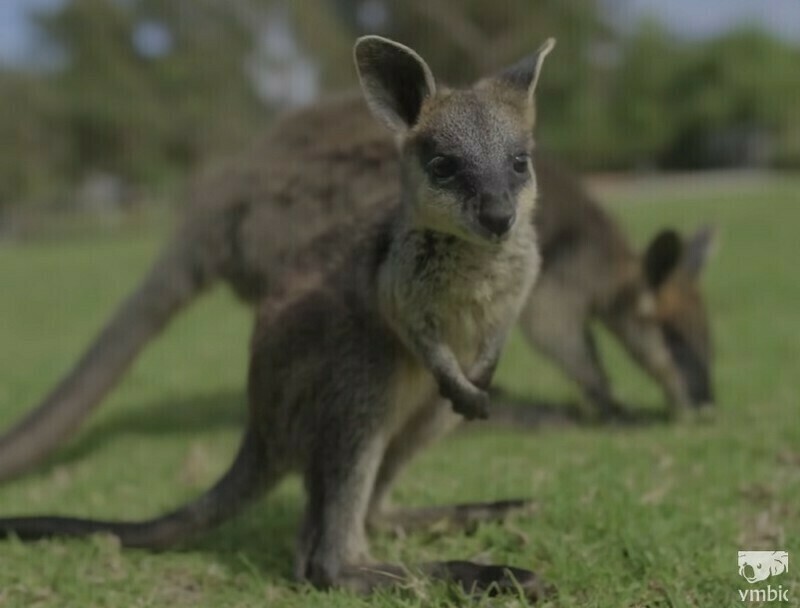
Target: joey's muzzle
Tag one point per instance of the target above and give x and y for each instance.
(496, 213)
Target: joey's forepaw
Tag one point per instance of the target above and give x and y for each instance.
(472, 405)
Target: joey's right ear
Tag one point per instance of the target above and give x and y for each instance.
(524, 75)
(394, 79)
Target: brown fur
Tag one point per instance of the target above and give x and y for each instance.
(293, 201)
(350, 357)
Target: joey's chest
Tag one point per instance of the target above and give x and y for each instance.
(466, 292)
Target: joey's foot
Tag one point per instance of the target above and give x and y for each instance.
(472, 578)
(471, 404)
(491, 579)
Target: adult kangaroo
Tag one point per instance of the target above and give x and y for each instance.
(318, 173)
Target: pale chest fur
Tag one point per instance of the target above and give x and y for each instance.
(461, 292)
(464, 292)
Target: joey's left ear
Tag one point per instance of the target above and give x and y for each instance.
(698, 249)
(524, 74)
(395, 81)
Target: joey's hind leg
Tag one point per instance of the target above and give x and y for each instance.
(429, 424)
(333, 549)
(339, 484)
(340, 488)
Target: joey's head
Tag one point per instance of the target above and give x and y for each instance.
(465, 153)
(673, 304)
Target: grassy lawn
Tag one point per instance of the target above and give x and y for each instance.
(651, 516)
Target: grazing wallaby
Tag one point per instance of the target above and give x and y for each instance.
(349, 358)
(320, 171)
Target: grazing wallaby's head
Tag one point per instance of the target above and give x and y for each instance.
(465, 154)
(672, 269)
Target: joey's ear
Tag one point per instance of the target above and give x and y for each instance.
(698, 249)
(661, 257)
(524, 74)
(394, 79)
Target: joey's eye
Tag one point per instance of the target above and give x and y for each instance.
(442, 168)
(520, 163)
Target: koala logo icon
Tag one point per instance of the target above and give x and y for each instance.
(757, 566)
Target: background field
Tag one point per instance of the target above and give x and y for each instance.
(647, 516)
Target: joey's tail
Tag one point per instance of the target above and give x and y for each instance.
(174, 280)
(247, 478)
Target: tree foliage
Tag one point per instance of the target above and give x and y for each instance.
(145, 89)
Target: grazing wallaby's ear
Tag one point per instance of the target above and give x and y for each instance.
(698, 249)
(395, 81)
(525, 73)
(662, 257)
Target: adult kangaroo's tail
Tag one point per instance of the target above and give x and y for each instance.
(248, 476)
(176, 277)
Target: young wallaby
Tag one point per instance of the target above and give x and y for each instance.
(349, 358)
(317, 174)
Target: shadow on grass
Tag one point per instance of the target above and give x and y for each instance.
(259, 542)
(224, 409)
(523, 413)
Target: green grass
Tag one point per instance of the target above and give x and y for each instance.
(650, 516)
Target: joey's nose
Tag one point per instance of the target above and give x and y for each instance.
(496, 215)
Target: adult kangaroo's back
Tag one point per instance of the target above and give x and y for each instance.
(315, 175)
(315, 170)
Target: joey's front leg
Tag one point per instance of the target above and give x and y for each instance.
(423, 336)
(467, 399)
(467, 393)
(482, 371)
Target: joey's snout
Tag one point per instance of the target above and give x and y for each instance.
(496, 213)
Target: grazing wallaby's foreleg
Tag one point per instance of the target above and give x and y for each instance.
(558, 327)
(645, 345)
(178, 275)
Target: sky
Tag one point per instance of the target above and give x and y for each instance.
(16, 35)
(692, 18)
(698, 18)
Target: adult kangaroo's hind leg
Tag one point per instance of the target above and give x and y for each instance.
(556, 323)
(183, 269)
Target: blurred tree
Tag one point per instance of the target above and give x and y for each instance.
(34, 150)
(733, 90)
(465, 39)
(142, 90)
(640, 104)
(148, 88)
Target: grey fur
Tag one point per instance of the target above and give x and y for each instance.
(346, 358)
(293, 202)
